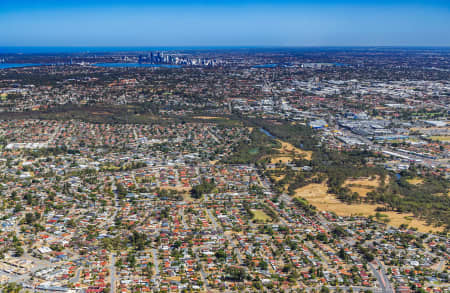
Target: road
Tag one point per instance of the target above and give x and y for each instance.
(213, 220)
(214, 136)
(183, 221)
(382, 279)
(76, 278)
(155, 261)
(237, 251)
(112, 271)
(202, 272)
(385, 277)
(112, 259)
(441, 266)
(116, 199)
(203, 275)
(353, 288)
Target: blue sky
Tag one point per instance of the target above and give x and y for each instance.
(225, 23)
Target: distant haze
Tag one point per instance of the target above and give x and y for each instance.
(224, 23)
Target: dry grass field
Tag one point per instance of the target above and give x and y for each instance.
(443, 138)
(177, 188)
(281, 159)
(288, 152)
(278, 178)
(396, 219)
(208, 117)
(261, 216)
(185, 192)
(366, 182)
(362, 186)
(317, 195)
(361, 191)
(415, 181)
(288, 148)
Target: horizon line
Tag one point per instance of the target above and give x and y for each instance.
(222, 46)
